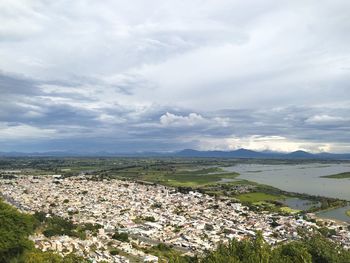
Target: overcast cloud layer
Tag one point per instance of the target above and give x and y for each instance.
(152, 75)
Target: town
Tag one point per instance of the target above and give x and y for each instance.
(148, 215)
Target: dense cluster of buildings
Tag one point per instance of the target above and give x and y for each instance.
(151, 214)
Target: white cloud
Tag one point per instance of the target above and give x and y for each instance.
(325, 120)
(173, 120)
(109, 119)
(270, 143)
(194, 120)
(24, 131)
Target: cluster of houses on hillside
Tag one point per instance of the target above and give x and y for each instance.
(190, 222)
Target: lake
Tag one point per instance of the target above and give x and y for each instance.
(338, 214)
(299, 204)
(302, 178)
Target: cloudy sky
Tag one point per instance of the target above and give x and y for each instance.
(158, 75)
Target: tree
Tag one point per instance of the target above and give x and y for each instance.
(123, 237)
(323, 250)
(15, 228)
(294, 252)
(42, 257)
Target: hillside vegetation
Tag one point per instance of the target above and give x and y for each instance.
(15, 246)
(314, 249)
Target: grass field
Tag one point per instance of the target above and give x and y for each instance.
(338, 176)
(258, 197)
(195, 178)
(289, 210)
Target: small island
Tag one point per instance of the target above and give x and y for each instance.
(338, 176)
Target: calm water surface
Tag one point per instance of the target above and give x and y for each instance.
(338, 214)
(302, 178)
(299, 204)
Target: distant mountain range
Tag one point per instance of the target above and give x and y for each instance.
(244, 153)
(240, 153)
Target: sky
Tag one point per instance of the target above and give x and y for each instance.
(159, 75)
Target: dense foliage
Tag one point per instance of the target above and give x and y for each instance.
(15, 246)
(123, 237)
(15, 228)
(57, 226)
(314, 249)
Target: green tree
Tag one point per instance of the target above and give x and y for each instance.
(15, 228)
(42, 257)
(323, 250)
(124, 237)
(294, 252)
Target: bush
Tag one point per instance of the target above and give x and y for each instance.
(114, 252)
(58, 226)
(123, 237)
(149, 219)
(163, 247)
(40, 216)
(208, 227)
